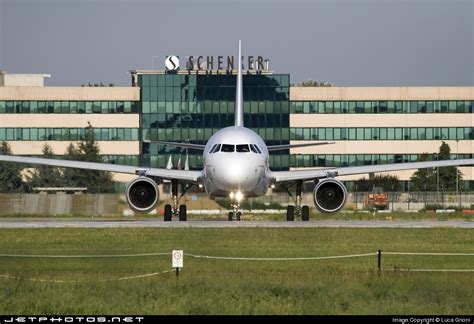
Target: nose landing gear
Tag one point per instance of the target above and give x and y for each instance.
(235, 213)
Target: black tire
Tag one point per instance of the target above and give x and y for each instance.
(290, 213)
(238, 215)
(168, 213)
(182, 213)
(231, 216)
(305, 213)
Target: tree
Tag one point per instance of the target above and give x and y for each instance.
(87, 150)
(385, 181)
(43, 175)
(313, 83)
(427, 179)
(447, 175)
(424, 179)
(10, 173)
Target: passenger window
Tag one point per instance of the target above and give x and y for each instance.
(242, 148)
(227, 148)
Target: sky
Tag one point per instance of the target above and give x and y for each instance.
(346, 42)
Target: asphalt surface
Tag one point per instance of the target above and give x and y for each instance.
(52, 223)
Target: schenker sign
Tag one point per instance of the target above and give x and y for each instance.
(217, 63)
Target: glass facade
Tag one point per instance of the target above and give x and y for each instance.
(67, 134)
(68, 107)
(382, 133)
(192, 107)
(380, 107)
(342, 160)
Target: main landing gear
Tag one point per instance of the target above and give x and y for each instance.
(297, 210)
(176, 210)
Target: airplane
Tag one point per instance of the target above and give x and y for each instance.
(236, 165)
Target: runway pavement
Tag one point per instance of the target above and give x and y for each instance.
(52, 223)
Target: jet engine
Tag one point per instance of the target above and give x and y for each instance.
(329, 195)
(142, 194)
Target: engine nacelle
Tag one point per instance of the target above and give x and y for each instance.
(142, 195)
(329, 195)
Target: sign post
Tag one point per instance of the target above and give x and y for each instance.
(177, 259)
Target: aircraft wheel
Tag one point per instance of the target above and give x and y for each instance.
(238, 215)
(305, 213)
(231, 216)
(182, 213)
(290, 213)
(168, 213)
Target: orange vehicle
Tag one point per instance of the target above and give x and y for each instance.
(377, 200)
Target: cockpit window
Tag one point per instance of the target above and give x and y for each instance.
(255, 149)
(215, 148)
(242, 148)
(227, 148)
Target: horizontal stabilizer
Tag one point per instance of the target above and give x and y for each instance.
(289, 146)
(176, 144)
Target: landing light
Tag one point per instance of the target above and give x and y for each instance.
(200, 185)
(239, 196)
(272, 186)
(231, 195)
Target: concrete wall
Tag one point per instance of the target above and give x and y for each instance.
(381, 93)
(60, 204)
(21, 80)
(70, 93)
(382, 120)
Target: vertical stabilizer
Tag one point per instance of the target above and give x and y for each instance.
(239, 97)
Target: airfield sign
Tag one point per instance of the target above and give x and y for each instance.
(177, 256)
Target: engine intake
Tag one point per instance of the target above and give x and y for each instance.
(142, 195)
(329, 196)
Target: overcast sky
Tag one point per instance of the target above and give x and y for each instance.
(350, 43)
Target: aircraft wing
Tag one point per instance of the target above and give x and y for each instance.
(182, 145)
(288, 176)
(182, 175)
(288, 146)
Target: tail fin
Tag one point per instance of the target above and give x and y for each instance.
(239, 98)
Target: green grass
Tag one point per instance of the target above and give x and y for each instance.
(205, 286)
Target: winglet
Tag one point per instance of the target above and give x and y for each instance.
(239, 98)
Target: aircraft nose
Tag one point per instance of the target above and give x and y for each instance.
(237, 174)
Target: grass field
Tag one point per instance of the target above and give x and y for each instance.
(205, 286)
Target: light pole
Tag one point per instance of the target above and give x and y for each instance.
(457, 174)
(437, 180)
(392, 196)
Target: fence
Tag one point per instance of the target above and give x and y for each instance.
(114, 204)
(379, 254)
(61, 204)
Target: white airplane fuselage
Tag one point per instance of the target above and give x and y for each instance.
(237, 166)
